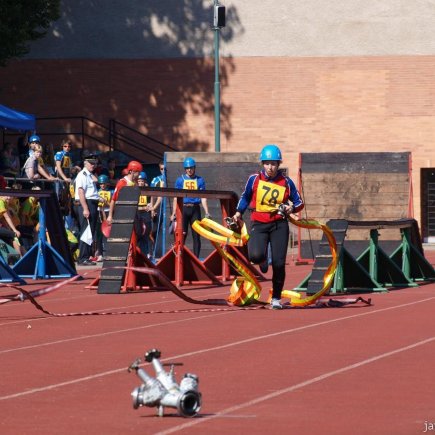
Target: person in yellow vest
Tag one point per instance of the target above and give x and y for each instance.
(14, 208)
(105, 193)
(191, 210)
(7, 222)
(63, 161)
(29, 218)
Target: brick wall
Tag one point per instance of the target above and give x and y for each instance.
(336, 104)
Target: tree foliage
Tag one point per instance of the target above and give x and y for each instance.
(22, 21)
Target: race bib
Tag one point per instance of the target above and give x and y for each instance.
(190, 184)
(66, 162)
(269, 196)
(143, 200)
(106, 195)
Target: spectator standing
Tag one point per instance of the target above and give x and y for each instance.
(86, 200)
(63, 161)
(157, 211)
(64, 171)
(144, 219)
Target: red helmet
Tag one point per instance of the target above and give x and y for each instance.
(134, 166)
(124, 172)
(3, 183)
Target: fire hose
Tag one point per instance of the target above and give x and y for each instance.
(246, 289)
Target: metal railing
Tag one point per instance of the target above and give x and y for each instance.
(114, 137)
(137, 140)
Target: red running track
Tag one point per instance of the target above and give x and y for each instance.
(358, 369)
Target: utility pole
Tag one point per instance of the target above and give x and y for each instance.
(218, 23)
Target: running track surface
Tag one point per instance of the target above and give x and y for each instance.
(358, 369)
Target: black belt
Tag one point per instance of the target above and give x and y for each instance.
(189, 204)
(92, 201)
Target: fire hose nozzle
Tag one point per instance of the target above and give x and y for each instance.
(232, 224)
(163, 390)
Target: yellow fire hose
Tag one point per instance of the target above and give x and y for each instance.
(245, 289)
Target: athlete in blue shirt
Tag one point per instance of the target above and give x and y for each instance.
(264, 193)
(191, 209)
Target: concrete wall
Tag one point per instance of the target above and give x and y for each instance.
(118, 29)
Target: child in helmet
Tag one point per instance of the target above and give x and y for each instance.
(191, 210)
(264, 193)
(143, 225)
(105, 193)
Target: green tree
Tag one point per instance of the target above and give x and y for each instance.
(22, 21)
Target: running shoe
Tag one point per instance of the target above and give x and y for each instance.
(275, 304)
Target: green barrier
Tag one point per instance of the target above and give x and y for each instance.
(374, 270)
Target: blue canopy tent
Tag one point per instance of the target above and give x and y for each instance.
(15, 120)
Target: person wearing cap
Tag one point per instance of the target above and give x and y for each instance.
(264, 193)
(191, 209)
(133, 170)
(86, 199)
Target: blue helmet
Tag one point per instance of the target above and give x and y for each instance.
(142, 176)
(34, 138)
(270, 152)
(103, 179)
(189, 163)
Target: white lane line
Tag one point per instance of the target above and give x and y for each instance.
(291, 388)
(121, 331)
(118, 331)
(211, 349)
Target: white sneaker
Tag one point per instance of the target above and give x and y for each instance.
(275, 304)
